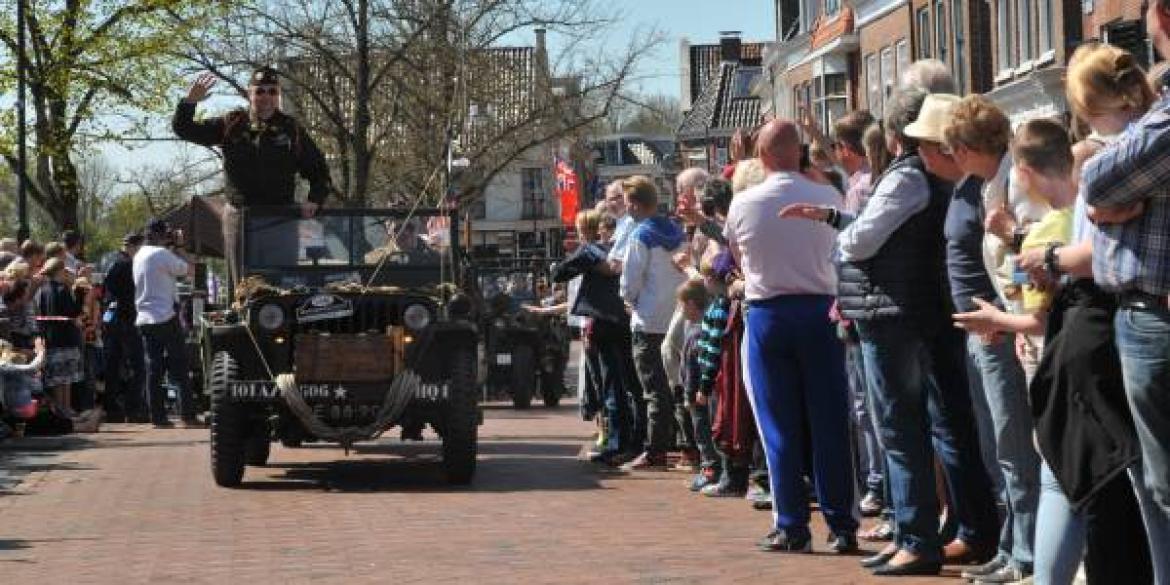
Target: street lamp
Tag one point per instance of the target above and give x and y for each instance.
(23, 232)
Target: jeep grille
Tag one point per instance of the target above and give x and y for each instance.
(370, 314)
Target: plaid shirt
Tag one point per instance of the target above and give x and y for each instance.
(1134, 256)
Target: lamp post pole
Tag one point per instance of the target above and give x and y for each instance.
(23, 231)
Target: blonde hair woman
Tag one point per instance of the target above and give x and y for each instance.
(1107, 90)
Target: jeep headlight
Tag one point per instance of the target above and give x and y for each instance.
(270, 317)
(416, 317)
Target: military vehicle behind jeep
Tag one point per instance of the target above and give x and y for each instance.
(524, 352)
(344, 326)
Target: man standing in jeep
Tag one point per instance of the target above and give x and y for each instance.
(263, 150)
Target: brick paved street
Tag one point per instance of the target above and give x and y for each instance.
(136, 505)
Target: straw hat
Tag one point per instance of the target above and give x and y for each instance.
(932, 118)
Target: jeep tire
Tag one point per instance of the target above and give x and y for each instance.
(229, 424)
(461, 422)
(259, 445)
(523, 376)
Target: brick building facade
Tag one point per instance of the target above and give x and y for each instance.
(833, 56)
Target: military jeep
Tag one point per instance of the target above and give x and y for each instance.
(344, 326)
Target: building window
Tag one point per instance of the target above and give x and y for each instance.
(940, 31)
(534, 193)
(903, 61)
(1024, 29)
(924, 37)
(832, 98)
(1004, 36)
(889, 75)
(832, 7)
(1044, 26)
(873, 85)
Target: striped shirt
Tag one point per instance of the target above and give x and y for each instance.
(1134, 256)
(710, 342)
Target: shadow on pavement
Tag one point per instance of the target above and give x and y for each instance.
(20, 457)
(415, 467)
(505, 410)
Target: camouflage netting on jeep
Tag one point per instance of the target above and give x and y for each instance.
(256, 287)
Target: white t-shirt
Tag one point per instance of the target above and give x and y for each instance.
(621, 238)
(155, 270)
(783, 256)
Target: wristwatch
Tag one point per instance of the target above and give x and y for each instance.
(1018, 235)
(1052, 259)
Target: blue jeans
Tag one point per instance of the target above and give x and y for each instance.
(1143, 341)
(701, 417)
(608, 368)
(1060, 534)
(1005, 391)
(870, 458)
(166, 350)
(795, 377)
(921, 399)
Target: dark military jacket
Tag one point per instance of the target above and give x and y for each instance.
(261, 160)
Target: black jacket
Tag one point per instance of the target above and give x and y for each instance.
(599, 296)
(1083, 423)
(907, 277)
(260, 161)
(55, 299)
(119, 285)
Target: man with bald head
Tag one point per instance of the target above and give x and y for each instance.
(794, 364)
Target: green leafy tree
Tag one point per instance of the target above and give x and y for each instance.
(97, 70)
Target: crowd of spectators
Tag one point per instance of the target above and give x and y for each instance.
(942, 320)
(79, 346)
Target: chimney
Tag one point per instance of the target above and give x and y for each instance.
(540, 32)
(729, 46)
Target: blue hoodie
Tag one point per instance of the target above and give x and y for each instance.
(659, 232)
(649, 277)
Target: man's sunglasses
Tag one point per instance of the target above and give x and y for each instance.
(261, 90)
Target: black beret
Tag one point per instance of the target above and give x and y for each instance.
(264, 76)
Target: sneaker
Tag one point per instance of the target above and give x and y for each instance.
(881, 532)
(647, 462)
(843, 544)
(779, 541)
(704, 478)
(687, 461)
(722, 490)
(1008, 573)
(994, 565)
(871, 505)
(760, 498)
(755, 491)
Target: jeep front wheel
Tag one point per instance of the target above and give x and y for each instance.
(229, 424)
(461, 422)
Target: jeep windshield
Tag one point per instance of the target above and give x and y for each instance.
(347, 246)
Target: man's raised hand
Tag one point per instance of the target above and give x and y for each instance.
(201, 88)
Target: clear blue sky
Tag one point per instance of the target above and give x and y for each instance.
(698, 20)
